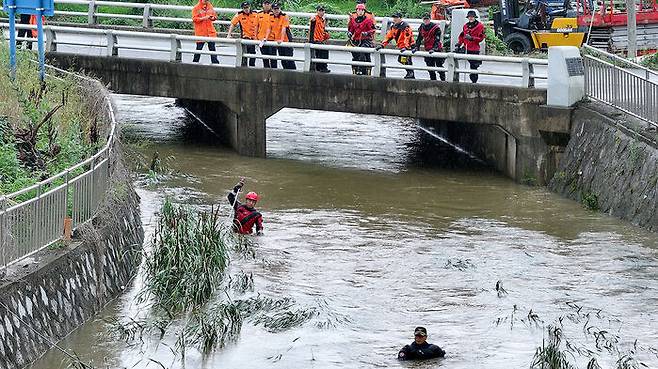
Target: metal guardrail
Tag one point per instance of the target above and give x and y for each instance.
(174, 46)
(621, 83)
(149, 17)
(31, 225)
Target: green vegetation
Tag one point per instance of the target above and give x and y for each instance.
(44, 128)
(187, 282)
(590, 201)
(651, 62)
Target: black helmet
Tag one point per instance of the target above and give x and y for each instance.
(471, 13)
(245, 4)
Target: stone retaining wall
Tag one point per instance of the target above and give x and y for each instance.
(611, 163)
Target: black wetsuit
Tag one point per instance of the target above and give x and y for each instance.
(420, 352)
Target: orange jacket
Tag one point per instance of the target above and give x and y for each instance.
(281, 28)
(264, 25)
(402, 34)
(318, 32)
(248, 24)
(204, 27)
(33, 21)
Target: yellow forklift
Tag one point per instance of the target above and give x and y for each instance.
(539, 25)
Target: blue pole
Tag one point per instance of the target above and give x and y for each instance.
(11, 10)
(42, 52)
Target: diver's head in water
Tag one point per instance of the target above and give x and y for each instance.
(251, 199)
(420, 335)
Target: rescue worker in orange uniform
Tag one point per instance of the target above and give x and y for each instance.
(404, 39)
(25, 19)
(245, 216)
(361, 32)
(248, 22)
(265, 20)
(429, 35)
(203, 16)
(470, 38)
(281, 31)
(318, 34)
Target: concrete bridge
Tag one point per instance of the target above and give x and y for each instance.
(504, 119)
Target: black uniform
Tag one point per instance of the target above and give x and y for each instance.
(420, 352)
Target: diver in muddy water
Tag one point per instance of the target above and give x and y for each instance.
(245, 216)
(420, 349)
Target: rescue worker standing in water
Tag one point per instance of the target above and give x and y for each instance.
(420, 349)
(245, 215)
(404, 39)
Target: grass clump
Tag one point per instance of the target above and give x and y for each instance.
(44, 127)
(188, 259)
(551, 354)
(651, 62)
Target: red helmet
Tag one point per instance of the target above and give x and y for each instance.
(360, 6)
(252, 196)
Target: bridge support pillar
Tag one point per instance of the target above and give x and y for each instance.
(525, 159)
(243, 131)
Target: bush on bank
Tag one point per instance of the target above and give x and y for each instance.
(44, 129)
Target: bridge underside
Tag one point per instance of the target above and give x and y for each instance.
(241, 99)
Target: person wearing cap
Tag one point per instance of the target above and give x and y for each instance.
(263, 30)
(248, 22)
(318, 34)
(429, 35)
(361, 32)
(404, 40)
(420, 349)
(203, 16)
(367, 13)
(470, 37)
(281, 32)
(245, 216)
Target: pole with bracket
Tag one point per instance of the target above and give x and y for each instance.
(10, 8)
(40, 48)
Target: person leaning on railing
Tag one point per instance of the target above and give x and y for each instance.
(403, 36)
(264, 28)
(361, 31)
(318, 34)
(281, 31)
(469, 40)
(248, 21)
(203, 15)
(429, 35)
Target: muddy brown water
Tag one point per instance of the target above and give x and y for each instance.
(382, 227)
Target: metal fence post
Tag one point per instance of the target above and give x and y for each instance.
(307, 57)
(175, 54)
(3, 235)
(525, 71)
(238, 53)
(452, 74)
(377, 70)
(51, 40)
(91, 13)
(111, 42)
(146, 17)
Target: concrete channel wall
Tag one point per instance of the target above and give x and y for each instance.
(611, 163)
(45, 297)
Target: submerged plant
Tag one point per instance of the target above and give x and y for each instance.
(551, 355)
(188, 258)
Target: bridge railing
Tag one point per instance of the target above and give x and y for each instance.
(173, 46)
(621, 83)
(149, 14)
(33, 218)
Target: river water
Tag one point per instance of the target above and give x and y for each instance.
(380, 227)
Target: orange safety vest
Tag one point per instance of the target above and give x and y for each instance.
(281, 28)
(248, 24)
(33, 21)
(264, 25)
(318, 32)
(204, 27)
(402, 34)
